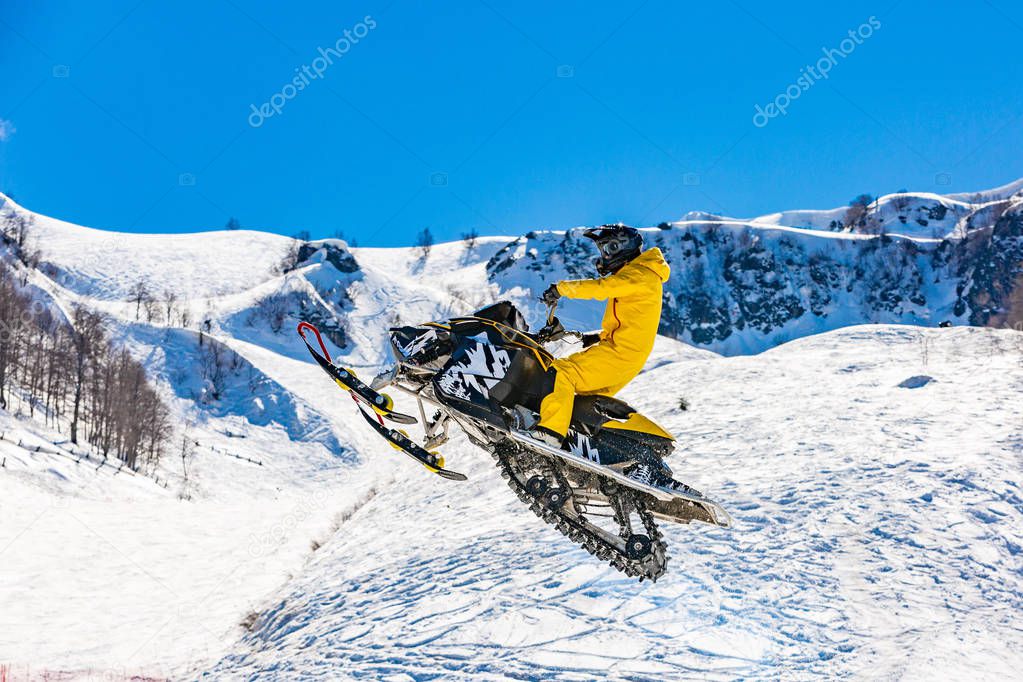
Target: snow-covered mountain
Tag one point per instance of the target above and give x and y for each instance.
(740, 286)
(872, 471)
(737, 285)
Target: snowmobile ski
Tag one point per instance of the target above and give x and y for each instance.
(400, 441)
(381, 403)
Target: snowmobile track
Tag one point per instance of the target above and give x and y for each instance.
(650, 567)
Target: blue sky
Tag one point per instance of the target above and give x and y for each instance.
(495, 116)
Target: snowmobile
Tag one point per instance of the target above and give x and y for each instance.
(604, 488)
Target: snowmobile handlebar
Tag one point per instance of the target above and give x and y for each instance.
(552, 308)
(554, 330)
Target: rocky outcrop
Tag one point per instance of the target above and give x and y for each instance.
(741, 287)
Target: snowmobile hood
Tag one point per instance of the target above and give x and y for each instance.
(653, 260)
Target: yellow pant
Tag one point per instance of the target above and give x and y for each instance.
(599, 370)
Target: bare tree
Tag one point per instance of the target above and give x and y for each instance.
(217, 363)
(233, 224)
(472, 236)
(854, 215)
(139, 294)
(273, 309)
(9, 328)
(71, 365)
(901, 201)
(86, 333)
(424, 242)
(187, 453)
(170, 298)
(152, 308)
(290, 258)
(15, 228)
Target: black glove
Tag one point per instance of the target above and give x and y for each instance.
(590, 339)
(551, 295)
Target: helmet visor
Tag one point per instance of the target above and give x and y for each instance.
(609, 249)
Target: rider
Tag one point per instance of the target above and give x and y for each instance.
(630, 280)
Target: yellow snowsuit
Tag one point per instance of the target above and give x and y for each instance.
(627, 335)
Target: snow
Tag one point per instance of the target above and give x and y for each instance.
(872, 472)
(870, 524)
(917, 215)
(398, 288)
(1004, 192)
(107, 570)
(200, 265)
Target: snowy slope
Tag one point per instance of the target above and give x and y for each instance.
(400, 287)
(161, 567)
(1007, 190)
(878, 534)
(857, 500)
(918, 214)
(166, 581)
(910, 214)
(196, 266)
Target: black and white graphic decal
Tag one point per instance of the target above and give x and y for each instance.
(580, 446)
(418, 343)
(480, 370)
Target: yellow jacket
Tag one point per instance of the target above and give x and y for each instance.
(633, 296)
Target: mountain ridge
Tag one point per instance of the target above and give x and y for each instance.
(738, 286)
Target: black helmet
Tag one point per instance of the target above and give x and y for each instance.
(617, 243)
